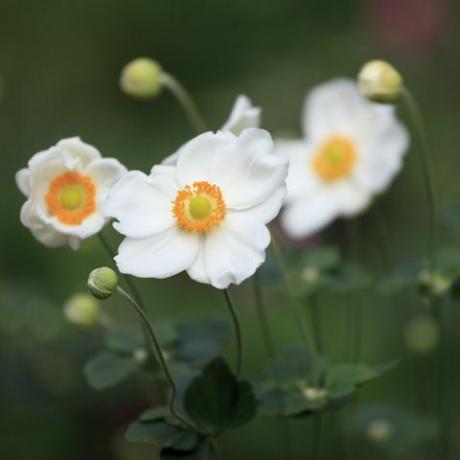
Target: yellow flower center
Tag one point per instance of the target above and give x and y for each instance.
(71, 198)
(335, 158)
(199, 207)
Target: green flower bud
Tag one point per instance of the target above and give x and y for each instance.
(102, 282)
(82, 310)
(380, 430)
(380, 82)
(433, 283)
(142, 78)
(421, 334)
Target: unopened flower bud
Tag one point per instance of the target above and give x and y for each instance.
(421, 334)
(380, 430)
(434, 283)
(82, 310)
(142, 78)
(140, 355)
(102, 282)
(380, 82)
(314, 394)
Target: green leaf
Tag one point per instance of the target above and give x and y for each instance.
(107, 369)
(200, 340)
(204, 451)
(127, 338)
(216, 400)
(342, 379)
(158, 427)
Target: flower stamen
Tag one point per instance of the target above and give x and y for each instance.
(335, 158)
(71, 198)
(199, 207)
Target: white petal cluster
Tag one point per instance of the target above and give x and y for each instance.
(164, 236)
(243, 115)
(64, 186)
(338, 110)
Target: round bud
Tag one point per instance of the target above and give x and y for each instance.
(380, 82)
(421, 334)
(102, 282)
(141, 78)
(82, 310)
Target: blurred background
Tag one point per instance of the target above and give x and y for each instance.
(59, 68)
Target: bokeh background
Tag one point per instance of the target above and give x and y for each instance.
(59, 68)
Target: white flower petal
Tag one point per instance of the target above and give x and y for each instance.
(235, 250)
(301, 179)
(105, 172)
(75, 147)
(243, 115)
(303, 218)
(268, 209)
(141, 204)
(197, 271)
(250, 172)
(159, 256)
(332, 108)
(382, 153)
(44, 233)
(197, 158)
(23, 181)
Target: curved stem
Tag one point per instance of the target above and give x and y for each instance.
(263, 320)
(159, 355)
(425, 155)
(237, 327)
(304, 329)
(186, 102)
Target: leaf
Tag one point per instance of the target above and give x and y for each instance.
(204, 451)
(127, 338)
(216, 400)
(200, 340)
(107, 369)
(158, 427)
(342, 379)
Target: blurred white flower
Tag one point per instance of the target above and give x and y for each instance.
(243, 115)
(64, 186)
(351, 151)
(207, 215)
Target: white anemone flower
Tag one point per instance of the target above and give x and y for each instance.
(206, 215)
(64, 186)
(243, 115)
(351, 151)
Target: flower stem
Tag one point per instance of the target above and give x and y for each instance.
(316, 320)
(237, 327)
(426, 156)
(160, 356)
(186, 102)
(304, 329)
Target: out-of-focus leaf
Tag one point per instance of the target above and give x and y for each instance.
(216, 400)
(292, 363)
(199, 340)
(204, 451)
(107, 369)
(157, 426)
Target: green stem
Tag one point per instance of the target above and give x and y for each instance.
(160, 356)
(304, 329)
(426, 156)
(186, 102)
(237, 327)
